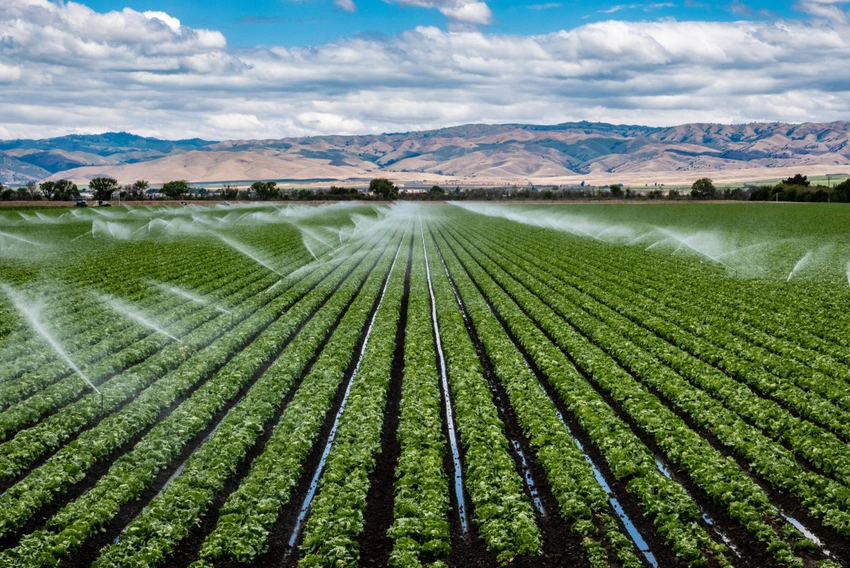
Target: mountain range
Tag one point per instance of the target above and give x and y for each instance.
(482, 154)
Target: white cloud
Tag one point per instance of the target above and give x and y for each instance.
(66, 68)
(827, 9)
(236, 122)
(462, 11)
(347, 5)
(642, 7)
(169, 21)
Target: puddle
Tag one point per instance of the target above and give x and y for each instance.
(444, 387)
(314, 483)
(529, 481)
(635, 535)
(708, 520)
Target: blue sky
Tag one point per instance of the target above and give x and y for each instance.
(307, 22)
(275, 68)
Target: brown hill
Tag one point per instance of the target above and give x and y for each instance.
(477, 153)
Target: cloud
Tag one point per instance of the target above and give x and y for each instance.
(347, 5)
(235, 122)
(643, 7)
(827, 9)
(462, 11)
(546, 6)
(65, 68)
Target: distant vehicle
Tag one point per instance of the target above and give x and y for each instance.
(81, 203)
(104, 204)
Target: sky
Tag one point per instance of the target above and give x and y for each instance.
(224, 69)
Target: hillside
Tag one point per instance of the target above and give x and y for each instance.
(476, 153)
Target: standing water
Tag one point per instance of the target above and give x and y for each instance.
(444, 387)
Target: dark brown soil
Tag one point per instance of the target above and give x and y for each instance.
(375, 545)
(279, 553)
(752, 553)
(128, 512)
(560, 546)
(191, 545)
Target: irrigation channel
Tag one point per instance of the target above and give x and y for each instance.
(405, 385)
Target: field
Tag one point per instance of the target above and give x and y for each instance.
(593, 385)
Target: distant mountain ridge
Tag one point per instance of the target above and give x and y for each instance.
(471, 153)
(26, 160)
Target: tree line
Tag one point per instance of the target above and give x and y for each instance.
(794, 188)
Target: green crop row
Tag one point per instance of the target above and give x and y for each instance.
(336, 515)
(821, 448)
(789, 384)
(720, 478)
(420, 529)
(502, 510)
(82, 323)
(665, 503)
(71, 463)
(252, 509)
(823, 497)
(60, 392)
(583, 502)
(168, 518)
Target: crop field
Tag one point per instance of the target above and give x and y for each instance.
(481, 384)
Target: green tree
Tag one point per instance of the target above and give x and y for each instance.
(31, 190)
(703, 188)
(616, 190)
(138, 189)
(229, 192)
(102, 188)
(174, 189)
(841, 192)
(48, 188)
(66, 190)
(383, 188)
(797, 179)
(265, 190)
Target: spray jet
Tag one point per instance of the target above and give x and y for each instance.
(191, 296)
(32, 314)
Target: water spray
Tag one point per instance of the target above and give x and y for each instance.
(134, 314)
(191, 296)
(800, 265)
(240, 248)
(32, 313)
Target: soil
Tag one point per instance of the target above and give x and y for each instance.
(560, 546)
(278, 552)
(752, 552)
(375, 545)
